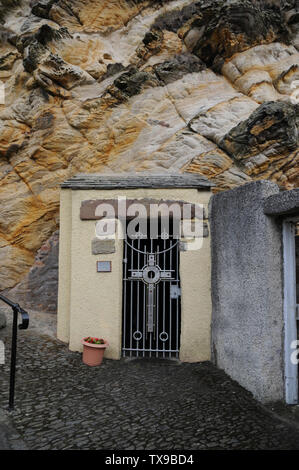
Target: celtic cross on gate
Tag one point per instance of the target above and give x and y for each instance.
(151, 274)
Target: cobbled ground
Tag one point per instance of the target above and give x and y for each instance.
(139, 404)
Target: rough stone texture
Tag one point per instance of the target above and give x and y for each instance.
(266, 140)
(102, 246)
(125, 405)
(247, 287)
(284, 203)
(88, 209)
(9, 437)
(38, 289)
(2, 320)
(129, 181)
(105, 86)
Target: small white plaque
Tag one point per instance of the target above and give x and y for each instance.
(104, 266)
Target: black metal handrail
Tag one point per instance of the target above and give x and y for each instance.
(22, 326)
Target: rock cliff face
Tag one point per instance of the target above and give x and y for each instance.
(138, 85)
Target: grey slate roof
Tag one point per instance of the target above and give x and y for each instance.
(133, 181)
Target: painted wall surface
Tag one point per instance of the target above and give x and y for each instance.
(196, 304)
(90, 303)
(247, 290)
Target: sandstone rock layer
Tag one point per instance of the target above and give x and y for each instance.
(209, 87)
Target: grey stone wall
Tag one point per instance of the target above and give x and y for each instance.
(247, 290)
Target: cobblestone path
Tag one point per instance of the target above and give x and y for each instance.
(138, 404)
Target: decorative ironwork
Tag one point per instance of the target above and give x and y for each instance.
(163, 336)
(151, 276)
(137, 335)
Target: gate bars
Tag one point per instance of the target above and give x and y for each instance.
(23, 326)
(151, 298)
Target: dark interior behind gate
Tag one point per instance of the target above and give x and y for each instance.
(151, 295)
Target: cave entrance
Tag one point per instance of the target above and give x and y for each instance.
(151, 296)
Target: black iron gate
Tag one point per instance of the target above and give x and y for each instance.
(151, 297)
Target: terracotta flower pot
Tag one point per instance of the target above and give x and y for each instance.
(93, 353)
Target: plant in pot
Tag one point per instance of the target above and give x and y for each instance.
(93, 350)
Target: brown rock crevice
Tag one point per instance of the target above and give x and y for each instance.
(268, 135)
(31, 292)
(216, 30)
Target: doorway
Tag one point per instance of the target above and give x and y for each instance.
(291, 300)
(151, 323)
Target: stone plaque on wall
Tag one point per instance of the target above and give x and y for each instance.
(88, 209)
(100, 247)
